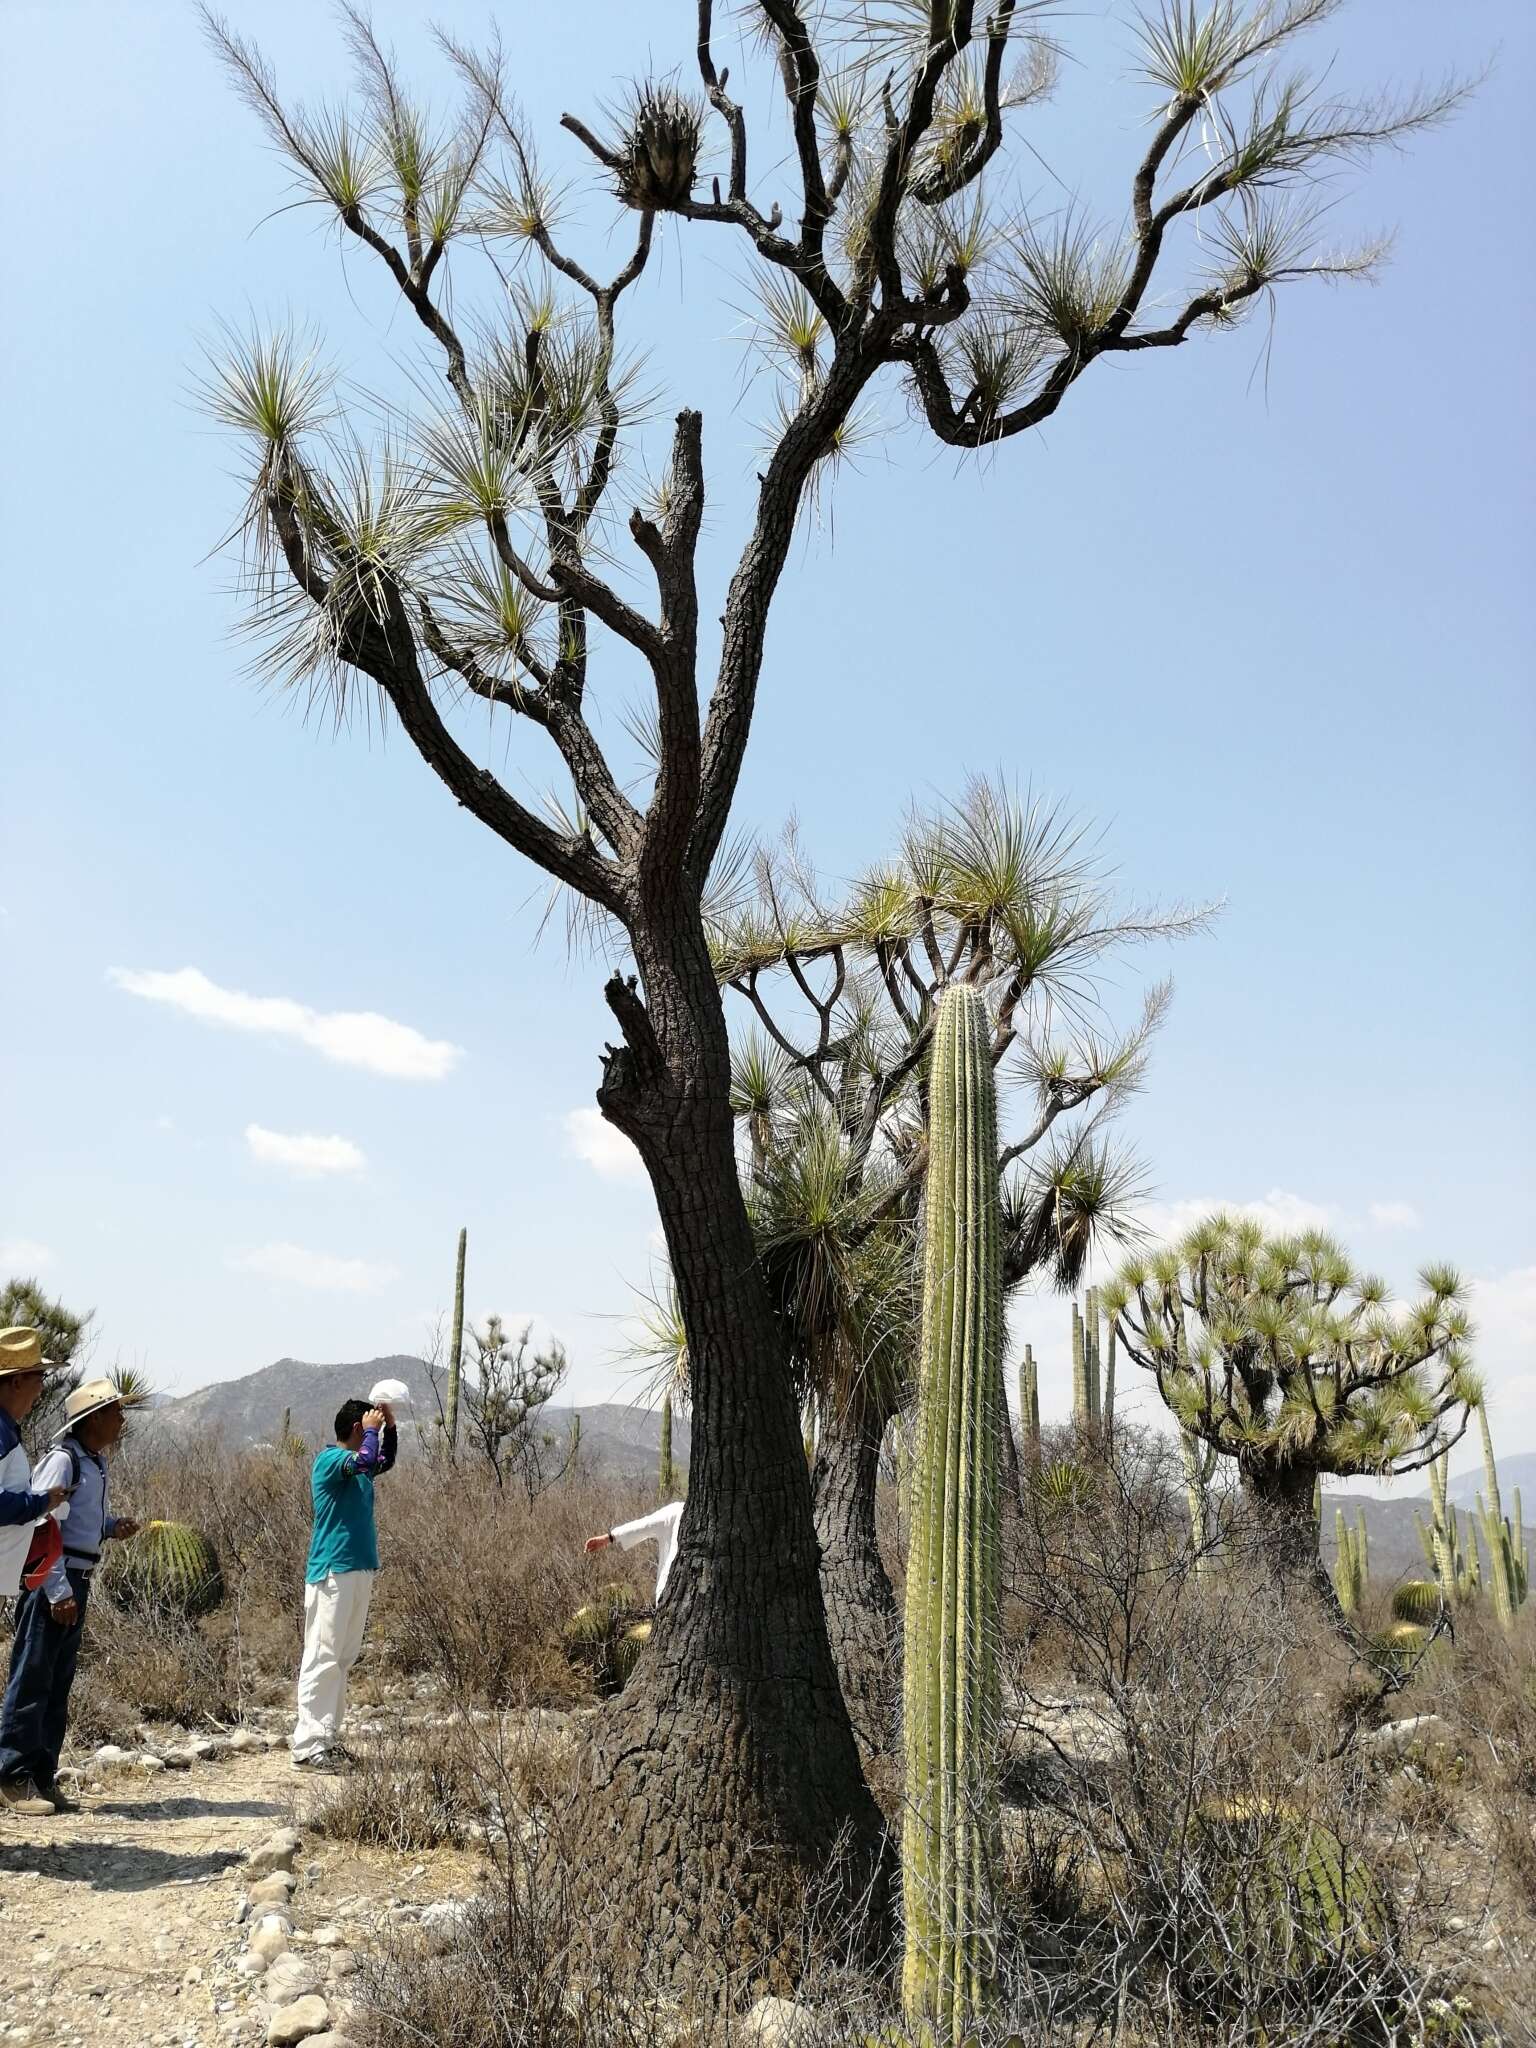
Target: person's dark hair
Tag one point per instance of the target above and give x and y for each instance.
(348, 1416)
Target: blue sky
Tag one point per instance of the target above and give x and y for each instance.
(1261, 607)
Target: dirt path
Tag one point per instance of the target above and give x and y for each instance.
(114, 1921)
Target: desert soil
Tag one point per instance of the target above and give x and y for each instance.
(120, 1924)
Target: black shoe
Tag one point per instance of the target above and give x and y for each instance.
(322, 1760)
(62, 1803)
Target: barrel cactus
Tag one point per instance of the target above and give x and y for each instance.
(951, 1825)
(597, 1636)
(1400, 1645)
(1417, 1601)
(170, 1570)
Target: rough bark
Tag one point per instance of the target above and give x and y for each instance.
(727, 1770)
(863, 1619)
(1281, 1498)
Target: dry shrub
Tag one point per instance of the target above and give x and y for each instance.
(483, 1584)
(411, 1789)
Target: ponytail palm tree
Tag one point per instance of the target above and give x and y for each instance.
(1278, 1354)
(467, 556)
(830, 1092)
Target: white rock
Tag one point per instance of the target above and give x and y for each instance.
(300, 2021)
(781, 2023)
(251, 1965)
(343, 1964)
(442, 1922)
(330, 2041)
(1419, 1731)
(275, 1853)
(327, 1936)
(147, 1761)
(291, 1977)
(275, 1888)
(177, 1759)
(270, 1938)
(108, 1757)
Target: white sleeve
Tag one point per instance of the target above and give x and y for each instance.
(54, 1469)
(649, 1528)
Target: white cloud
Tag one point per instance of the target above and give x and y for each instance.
(1395, 1215)
(24, 1255)
(303, 1152)
(590, 1136)
(321, 1271)
(353, 1038)
(1278, 1211)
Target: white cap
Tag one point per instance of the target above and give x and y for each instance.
(392, 1391)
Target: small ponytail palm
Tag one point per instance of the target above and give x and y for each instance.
(1275, 1352)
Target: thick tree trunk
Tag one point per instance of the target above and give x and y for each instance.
(725, 1779)
(1281, 1497)
(863, 1621)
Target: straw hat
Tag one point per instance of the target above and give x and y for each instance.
(21, 1350)
(88, 1400)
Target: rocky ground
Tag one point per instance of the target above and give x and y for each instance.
(183, 1907)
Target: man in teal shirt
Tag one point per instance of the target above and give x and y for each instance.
(338, 1580)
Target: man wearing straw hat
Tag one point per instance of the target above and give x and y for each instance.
(51, 1617)
(23, 1370)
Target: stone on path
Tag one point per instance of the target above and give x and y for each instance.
(290, 1977)
(270, 1939)
(300, 2021)
(275, 1853)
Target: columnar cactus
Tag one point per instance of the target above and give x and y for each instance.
(1029, 1408)
(1352, 1565)
(1085, 1363)
(1199, 1464)
(951, 1827)
(1503, 1539)
(667, 1475)
(456, 1348)
(1458, 1577)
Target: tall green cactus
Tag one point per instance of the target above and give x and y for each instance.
(951, 1825)
(1458, 1577)
(1029, 1408)
(1504, 1540)
(1352, 1564)
(1199, 1464)
(456, 1349)
(1107, 1388)
(1085, 1364)
(666, 1476)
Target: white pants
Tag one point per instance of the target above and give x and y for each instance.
(335, 1614)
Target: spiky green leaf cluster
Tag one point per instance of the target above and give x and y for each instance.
(1274, 1350)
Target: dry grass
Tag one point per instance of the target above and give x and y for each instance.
(1160, 1882)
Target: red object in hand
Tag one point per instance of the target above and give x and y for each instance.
(43, 1553)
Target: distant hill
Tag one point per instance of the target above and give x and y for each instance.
(617, 1442)
(1519, 1471)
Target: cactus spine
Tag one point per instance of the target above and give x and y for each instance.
(1352, 1565)
(666, 1475)
(456, 1349)
(951, 1826)
(1029, 1408)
